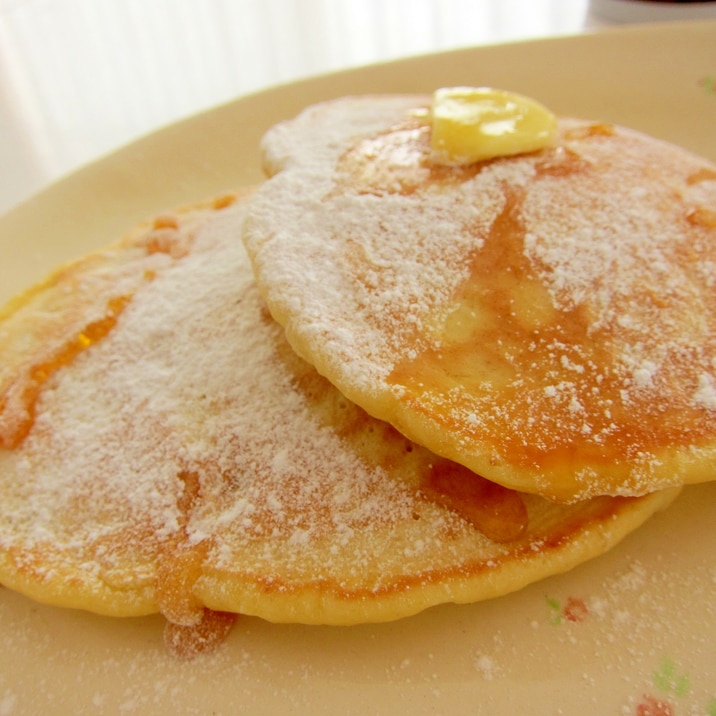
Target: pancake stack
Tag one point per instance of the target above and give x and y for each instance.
(373, 384)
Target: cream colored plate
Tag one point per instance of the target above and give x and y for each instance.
(633, 632)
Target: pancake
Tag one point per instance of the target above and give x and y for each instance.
(165, 450)
(547, 320)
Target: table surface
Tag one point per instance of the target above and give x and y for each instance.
(80, 78)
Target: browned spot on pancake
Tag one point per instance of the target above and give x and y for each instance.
(702, 217)
(560, 162)
(165, 235)
(596, 129)
(165, 221)
(703, 174)
(17, 404)
(167, 239)
(496, 511)
(223, 202)
(187, 642)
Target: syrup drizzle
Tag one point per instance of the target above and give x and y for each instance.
(496, 511)
(191, 628)
(187, 642)
(181, 563)
(17, 405)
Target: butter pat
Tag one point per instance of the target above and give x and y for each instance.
(471, 124)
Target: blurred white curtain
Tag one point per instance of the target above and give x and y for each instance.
(79, 77)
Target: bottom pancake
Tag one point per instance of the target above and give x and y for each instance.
(162, 449)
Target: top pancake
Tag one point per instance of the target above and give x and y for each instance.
(547, 320)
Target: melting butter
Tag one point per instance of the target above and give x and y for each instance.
(472, 124)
